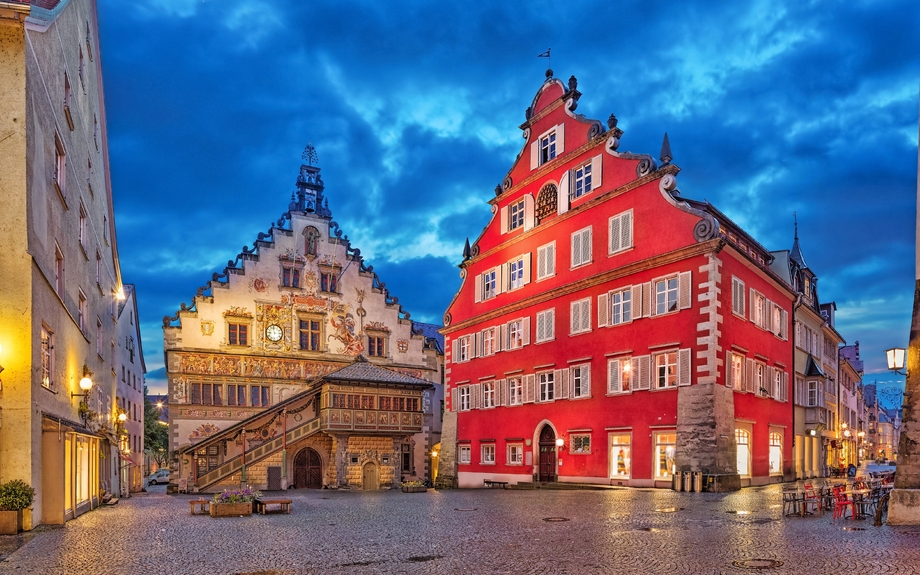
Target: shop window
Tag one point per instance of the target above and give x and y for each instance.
(664, 451)
(743, 443)
(776, 454)
(620, 455)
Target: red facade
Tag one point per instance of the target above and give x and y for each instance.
(602, 311)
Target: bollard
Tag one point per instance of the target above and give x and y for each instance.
(688, 481)
(698, 481)
(675, 481)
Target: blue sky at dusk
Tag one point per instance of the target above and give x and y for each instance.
(414, 107)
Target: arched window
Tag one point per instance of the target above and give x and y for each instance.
(743, 441)
(546, 201)
(776, 453)
(311, 241)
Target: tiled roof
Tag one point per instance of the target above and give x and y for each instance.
(361, 370)
(812, 369)
(46, 4)
(429, 330)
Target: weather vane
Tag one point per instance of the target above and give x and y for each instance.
(547, 56)
(309, 154)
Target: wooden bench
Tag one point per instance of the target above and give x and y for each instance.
(203, 505)
(284, 506)
(490, 483)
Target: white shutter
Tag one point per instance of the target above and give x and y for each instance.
(563, 376)
(785, 386)
(586, 314)
(500, 392)
(505, 343)
(586, 246)
(560, 139)
(563, 194)
(635, 302)
(683, 367)
(728, 370)
(615, 236)
(526, 259)
(500, 276)
(528, 212)
(752, 299)
(613, 376)
(596, 165)
(647, 299)
(526, 325)
(684, 290)
(645, 376)
(749, 375)
(541, 262)
(454, 350)
(503, 216)
(529, 393)
(603, 311)
(784, 328)
(455, 400)
(575, 317)
(771, 387)
(550, 324)
(586, 380)
(475, 396)
(541, 327)
(535, 154)
(557, 384)
(475, 342)
(576, 249)
(477, 289)
(626, 230)
(551, 260)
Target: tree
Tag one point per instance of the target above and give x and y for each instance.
(156, 440)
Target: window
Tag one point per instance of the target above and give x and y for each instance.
(515, 334)
(258, 396)
(663, 456)
(516, 215)
(760, 379)
(743, 441)
(81, 315)
(488, 454)
(758, 303)
(581, 381)
(463, 349)
(406, 458)
(98, 337)
(58, 271)
(465, 398)
(98, 269)
(47, 358)
(779, 390)
(666, 295)
(735, 375)
(376, 345)
(547, 148)
(546, 261)
(515, 454)
(619, 375)
(464, 454)
(208, 458)
(515, 391)
(546, 328)
(488, 394)
(547, 382)
(582, 180)
(206, 394)
(581, 247)
(516, 273)
(67, 114)
(580, 443)
(621, 232)
(620, 456)
(776, 454)
(737, 297)
(290, 276)
(82, 231)
(60, 165)
(80, 70)
(310, 334)
(489, 284)
(488, 341)
(581, 316)
(666, 369)
(237, 333)
(620, 307)
(329, 281)
(812, 393)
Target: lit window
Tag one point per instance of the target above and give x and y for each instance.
(619, 375)
(776, 454)
(666, 369)
(47, 358)
(664, 452)
(743, 441)
(580, 443)
(620, 456)
(736, 371)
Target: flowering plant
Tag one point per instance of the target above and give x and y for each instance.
(246, 495)
(416, 483)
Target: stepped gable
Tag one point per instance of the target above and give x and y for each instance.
(362, 370)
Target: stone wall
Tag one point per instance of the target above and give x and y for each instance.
(447, 457)
(379, 450)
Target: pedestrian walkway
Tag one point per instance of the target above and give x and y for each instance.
(470, 532)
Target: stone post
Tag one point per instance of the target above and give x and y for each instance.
(447, 456)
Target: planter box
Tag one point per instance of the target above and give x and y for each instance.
(10, 522)
(420, 489)
(230, 509)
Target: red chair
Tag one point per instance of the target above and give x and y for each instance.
(841, 503)
(812, 499)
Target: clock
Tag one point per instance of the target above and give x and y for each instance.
(274, 332)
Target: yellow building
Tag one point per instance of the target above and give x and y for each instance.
(61, 283)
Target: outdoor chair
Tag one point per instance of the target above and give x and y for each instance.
(812, 499)
(841, 502)
(791, 500)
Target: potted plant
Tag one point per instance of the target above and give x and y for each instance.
(15, 496)
(417, 486)
(234, 502)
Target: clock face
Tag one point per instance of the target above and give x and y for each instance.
(274, 332)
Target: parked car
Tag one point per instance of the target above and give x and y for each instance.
(158, 476)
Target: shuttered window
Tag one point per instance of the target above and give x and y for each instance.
(621, 232)
(546, 325)
(619, 375)
(581, 316)
(620, 303)
(580, 381)
(581, 247)
(546, 261)
(737, 297)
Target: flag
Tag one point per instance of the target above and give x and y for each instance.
(544, 54)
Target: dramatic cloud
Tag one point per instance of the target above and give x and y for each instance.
(413, 107)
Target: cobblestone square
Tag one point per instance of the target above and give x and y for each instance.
(469, 531)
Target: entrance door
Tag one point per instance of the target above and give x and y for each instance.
(547, 454)
(370, 481)
(308, 471)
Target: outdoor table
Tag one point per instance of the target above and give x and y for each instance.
(858, 496)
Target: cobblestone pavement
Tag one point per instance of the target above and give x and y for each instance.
(471, 532)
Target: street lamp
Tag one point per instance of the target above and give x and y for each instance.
(895, 357)
(86, 384)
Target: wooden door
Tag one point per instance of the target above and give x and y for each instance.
(547, 454)
(308, 470)
(370, 480)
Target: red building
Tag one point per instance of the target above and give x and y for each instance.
(608, 330)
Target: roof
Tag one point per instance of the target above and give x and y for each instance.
(812, 369)
(796, 254)
(429, 331)
(46, 4)
(851, 354)
(362, 370)
(780, 265)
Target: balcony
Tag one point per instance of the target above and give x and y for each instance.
(337, 419)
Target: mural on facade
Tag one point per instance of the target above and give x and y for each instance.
(343, 322)
(203, 431)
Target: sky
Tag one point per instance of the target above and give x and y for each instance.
(771, 108)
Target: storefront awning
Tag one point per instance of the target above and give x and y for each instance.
(125, 458)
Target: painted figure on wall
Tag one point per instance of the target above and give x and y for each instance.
(344, 325)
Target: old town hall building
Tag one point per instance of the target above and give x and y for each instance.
(296, 368)
(608, 329)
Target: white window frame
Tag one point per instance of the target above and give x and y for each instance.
(488, 341)
(81, 310)
(516, 390)
(743, 445)
(464, 397)
(487, 453)
(516, 273)
(546, 150)
(616, 443)
(664, 444)
(662, 365)
(579, 240)
(546, 325)
(489, 284)
(776, 453)
(581, 177)
(547, 254)
(580, 311)
(488, 395)
(515, 452)
(620, 305)
(580, 438)
(580, 377)
(623, 368)
(463, 454)
(463, 349)
(516, 215)
(663, 292)
(546, 382)
(47, 358)
(736, 371)
(516, 334)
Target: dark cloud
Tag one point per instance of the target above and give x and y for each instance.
(414, 109)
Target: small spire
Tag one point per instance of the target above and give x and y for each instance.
(665, 151)
(795, 223)
(466, 249)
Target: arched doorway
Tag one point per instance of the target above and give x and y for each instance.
(308, 469)
(435, 459)
(547, 454)
(370, 479)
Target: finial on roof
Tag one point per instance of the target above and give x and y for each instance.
(573, 83)
(466, 250)
(549, 72)
(612, 122)
(309, 154)
(665, 150)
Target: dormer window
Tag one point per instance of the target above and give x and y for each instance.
(547, 146)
